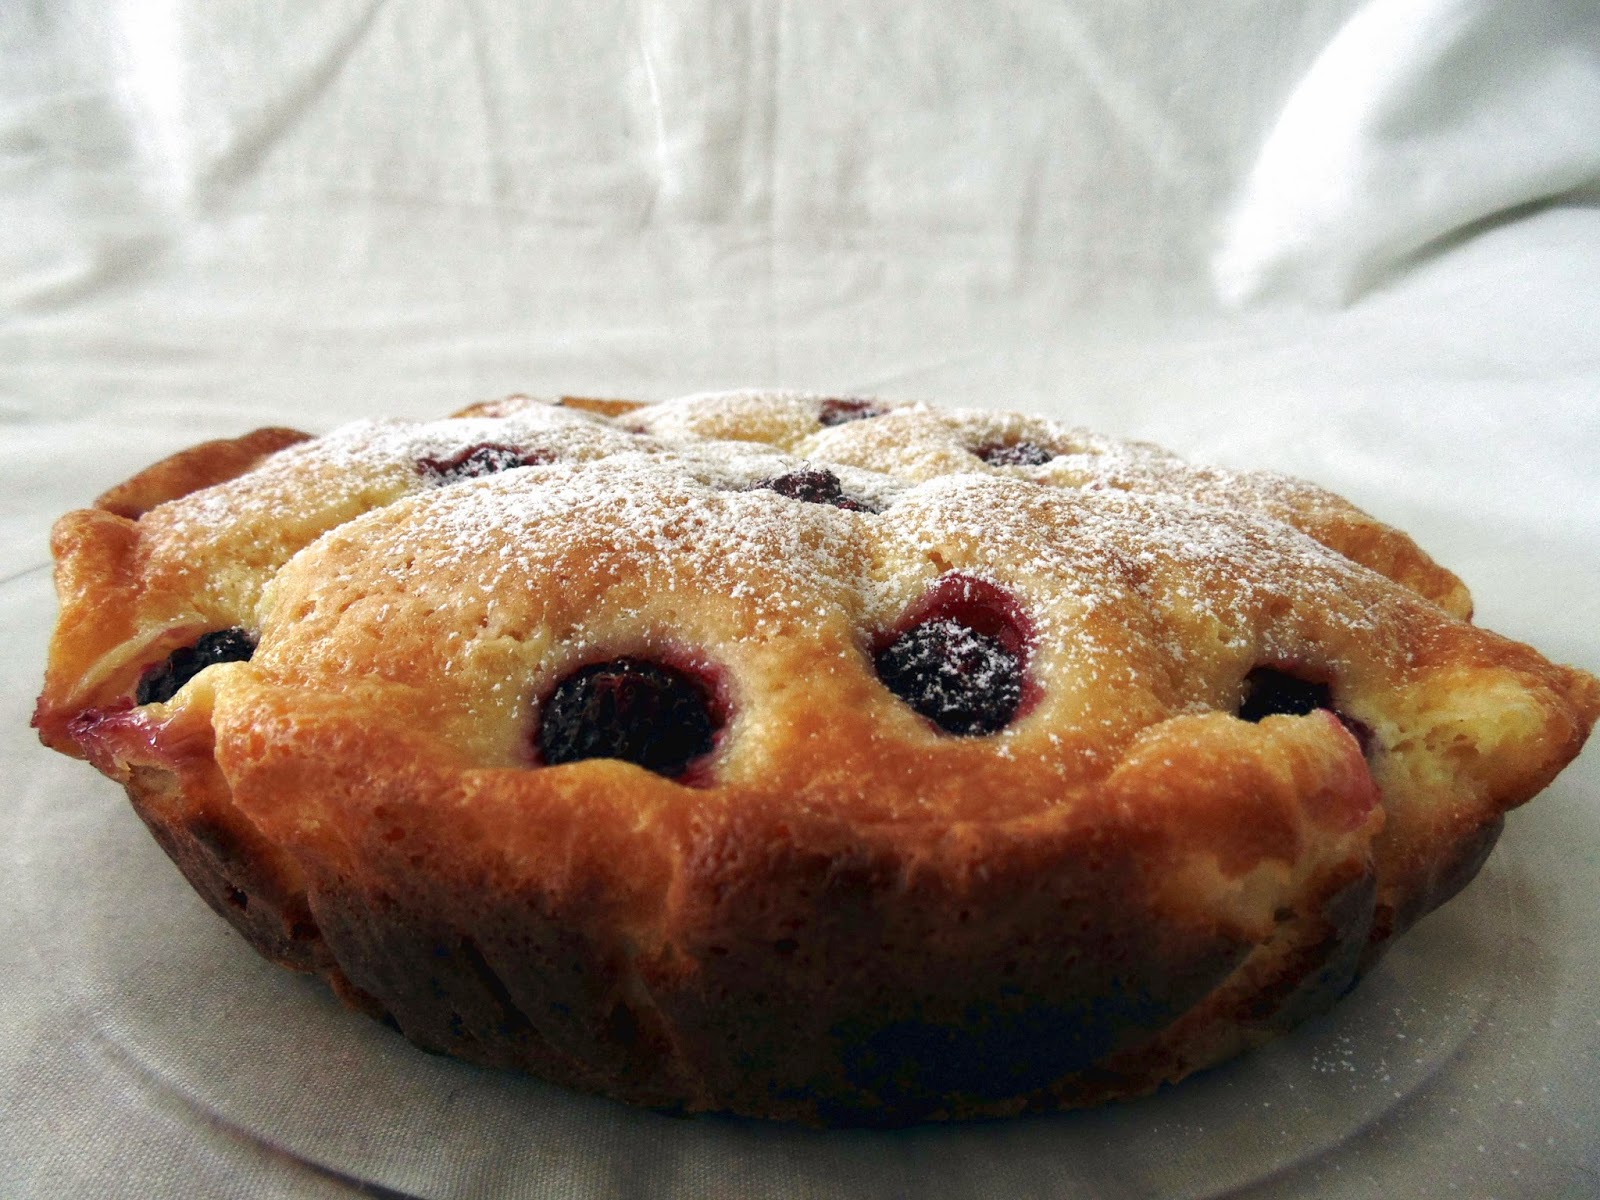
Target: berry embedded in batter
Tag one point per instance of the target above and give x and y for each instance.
(487, 458)
(1014, 454)
(161, 683)
(642, 712)
(1269, 692)
(838, 412)
(814, 487)
(965, 682)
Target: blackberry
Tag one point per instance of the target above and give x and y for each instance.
(1014, 454)
(1269, 692)
(488, 458)
(161, 683)
(965, 682)
(629, 708)
(814, 487)
(838, 412)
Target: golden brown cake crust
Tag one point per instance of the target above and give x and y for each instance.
(195, 468)
(842, 913)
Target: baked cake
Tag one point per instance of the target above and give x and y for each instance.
(817, 758)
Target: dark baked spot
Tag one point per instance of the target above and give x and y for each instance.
(162, 682)
(503, 1014)
(1360, 730)
(1269, 692)
(487, 458)
(999, 1049)
(629, 708)
(622, 1026)
(1014, 454)
(839, 412)
(959, 660)
(1331, 972)
(814, 486)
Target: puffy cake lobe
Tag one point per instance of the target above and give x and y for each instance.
(819, 757)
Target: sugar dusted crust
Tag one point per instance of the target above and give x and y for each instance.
(844, 914)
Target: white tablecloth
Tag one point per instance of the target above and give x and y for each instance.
(1355, 242)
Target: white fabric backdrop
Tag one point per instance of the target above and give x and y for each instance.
(1357, 242)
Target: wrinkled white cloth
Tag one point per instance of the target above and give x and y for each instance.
(1352, 241)
(1422, 120)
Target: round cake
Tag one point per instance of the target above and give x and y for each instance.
(818, 758)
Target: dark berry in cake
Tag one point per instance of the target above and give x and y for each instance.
(1270, 692)
(965, 682)
(161, 683)
(1014, 454)
(475, 461)
(629, 708)
(814, 487)
(838, 412)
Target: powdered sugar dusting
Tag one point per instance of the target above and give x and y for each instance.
(694, 520)
(1162, 601)
(1101, 525)
(778, 418)
(301, 492)
(1119, 588)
